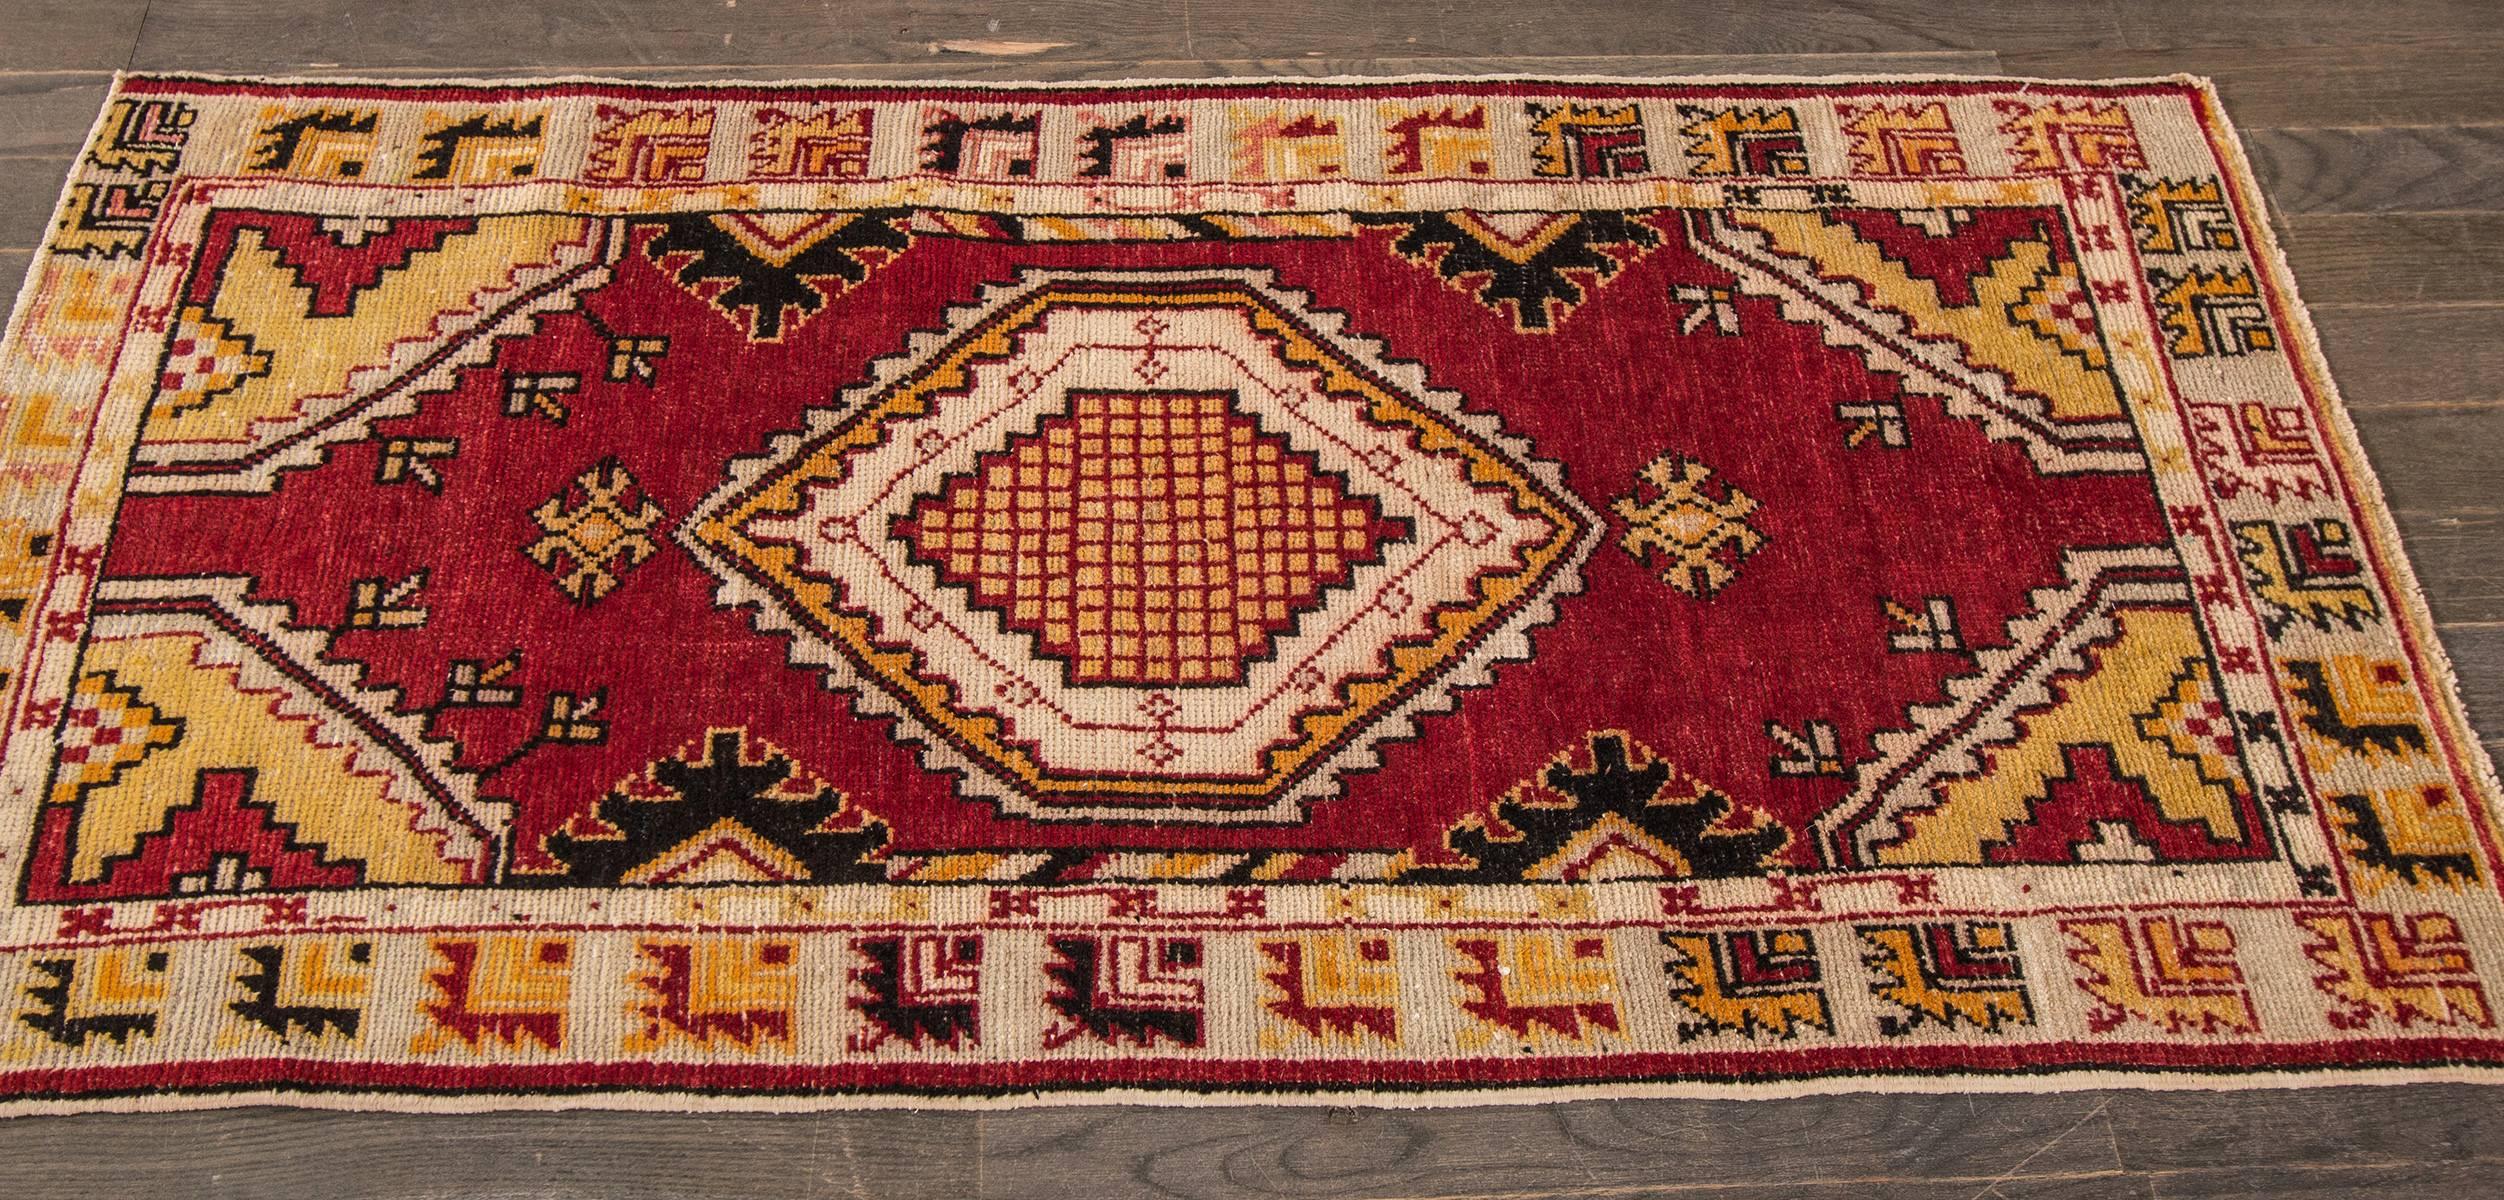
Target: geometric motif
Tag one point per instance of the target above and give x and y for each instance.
(706, 992)
(1334, 986)
(1630, 816)
(2179, 975)
(2401, 969)
(1947, 972)
(2062, 137)
(653, 145)
(1001, 145)
(919, 988)
(113, 994)
(820, 594)
(311, 990)
(728, 809)
(832, 144)
(2208, 313)
(1694, 538)
(1534, 987)
(1216, 536)
(594, 531)
(1126, 988)
(501, 992)
(1902, 141)
(1744, 141)
(833, 535)
(1534, 267)
(1755, 983)
(2305, 571)
(1442, 142)
(1577, 142)
(106, 729)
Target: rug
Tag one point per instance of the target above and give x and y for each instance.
(1399, 592)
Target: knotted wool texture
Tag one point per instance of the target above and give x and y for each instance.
(1394, 592)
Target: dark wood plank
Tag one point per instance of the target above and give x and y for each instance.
(2454, 554)
(2255, 1131)
(2477, 652)
(268, 1152)
(1625, 1147)
(47, 114)
(63, 35)
(979, 68)
(2399, 258)
(1645, 27)
(2418, 168)
(2436, 460)
(241, 35)
(2175, 25)
(2450, 82)
(2327, 1183)
(28, 186)
(2379, 353)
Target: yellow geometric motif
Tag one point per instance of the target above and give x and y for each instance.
(592, 533)
(1714, 140)
(2147, 687)
(2177, 974)
(713, 993)
(261, 301)
(2400, 969)
(2420, 836)
(83, 998)
(1287, 146)
(1536, 986)
(1897, 962)
(1911, 140)
(203, 360)
(1699, 962)
(1330, 987)
(2047, 359)
(504, 990)
(325, 789)
(306, 988)
(1700, 540)
(107, 728)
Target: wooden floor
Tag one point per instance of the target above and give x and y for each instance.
(2378, 128)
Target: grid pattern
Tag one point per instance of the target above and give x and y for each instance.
(1149, 538)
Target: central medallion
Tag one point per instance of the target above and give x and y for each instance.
(1147, 546)
(1149, 537)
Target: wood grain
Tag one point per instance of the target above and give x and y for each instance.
(2378, 169)
(2363, 82)
(2392, 258)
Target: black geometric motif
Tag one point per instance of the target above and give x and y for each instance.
(1097, 158)
(442, 147)
(260, 1003)
(947, 1022)
(1612, 788)
(51, 1018)
(700, 796)
(1532, 281)
(2372, 846)
(1079, 974)
(280, 141)
(945, 149)
(2322, 716)
(764, 289)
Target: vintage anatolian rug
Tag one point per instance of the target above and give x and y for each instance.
(1406, 592)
